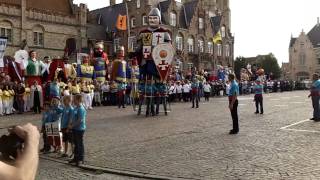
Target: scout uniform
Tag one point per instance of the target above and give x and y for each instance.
(5, 101)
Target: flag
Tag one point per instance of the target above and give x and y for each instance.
(122, 23)
(217, 38)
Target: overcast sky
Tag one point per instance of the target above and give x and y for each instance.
(261, 26)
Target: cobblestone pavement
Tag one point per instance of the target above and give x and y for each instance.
(194, 143)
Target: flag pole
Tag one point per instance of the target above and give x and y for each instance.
(128, 24)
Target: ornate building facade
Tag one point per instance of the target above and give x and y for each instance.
(49, 27)
(193, 24)
(304, 54)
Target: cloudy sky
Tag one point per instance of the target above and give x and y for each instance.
(262, 26)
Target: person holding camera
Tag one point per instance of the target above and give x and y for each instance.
(26, 163)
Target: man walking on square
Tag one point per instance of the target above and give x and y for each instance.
(258, 98)
(315, 97)
(233, 103)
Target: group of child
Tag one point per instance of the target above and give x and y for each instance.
(72, 117)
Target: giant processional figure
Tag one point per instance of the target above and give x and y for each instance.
(154, 54)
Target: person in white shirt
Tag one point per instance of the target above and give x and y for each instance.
(45, 69)
(179, 91)
(227, 88)
(186, 92)
(207, 91)
(172, 91)
(105, 88)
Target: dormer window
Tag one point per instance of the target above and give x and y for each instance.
(173, 19)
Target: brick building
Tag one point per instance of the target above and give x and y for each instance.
(46, 26)
(304, 54)
(193, 24)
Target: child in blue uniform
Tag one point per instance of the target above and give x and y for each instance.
(46, 118)
(66, 123)
(78, 129)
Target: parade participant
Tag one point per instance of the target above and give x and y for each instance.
(34, 68)
(14, 70)
(78, 127)
(20, 100)
(11, 99)
(100, 62)
(179, 91)
(66, 122)
(36, 97)
(55, 115)
(142, 93)
(315, 97)
(46, 118)
(207, 91)
(1, 103)
(161, 97)
(46, 69)
(75, 88)
(186, 91)
(233, 103)
(5, 100)
(105, 88)
(54, 89)
(69, 70)
(150, 90)
(195, 92)
(172, 92)
(97, 93)
(85, 70)
(121, 94)
(85, 91)
(91, 90)
(258, 98)
(26, 97)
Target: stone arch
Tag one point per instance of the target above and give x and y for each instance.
(38, 28)
(6, 24)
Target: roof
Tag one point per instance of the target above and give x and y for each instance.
(64, 7)
(109, 15)
(189, 9)
(314, 35)
(292, 41)
(216, 23)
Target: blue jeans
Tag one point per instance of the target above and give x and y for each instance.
(78, 145)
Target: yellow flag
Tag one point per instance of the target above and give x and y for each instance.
(122, 23)
(217, 38)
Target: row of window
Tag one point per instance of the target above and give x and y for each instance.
(38, 39)
(179, 45)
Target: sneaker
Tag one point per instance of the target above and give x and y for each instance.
(233, 132)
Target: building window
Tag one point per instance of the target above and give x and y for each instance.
(138, 4)
(173, 19)
(6, 32)
(144, 20)
(38, 38)
(210, 47)
(302, 60)
(133, 22)
(116, 44)
(201, 23)
(223, 31)
(227, 50)
(201, 45)
(219, 50)
(179, 42)
(190, 45)
(132, 44)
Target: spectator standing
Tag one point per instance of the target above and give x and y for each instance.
(207, 91)
(315, 97)
(233, 103)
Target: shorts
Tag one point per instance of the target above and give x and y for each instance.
(66, 136)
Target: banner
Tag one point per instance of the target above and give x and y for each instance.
(217, 38)
(3, 45)
(122, 23)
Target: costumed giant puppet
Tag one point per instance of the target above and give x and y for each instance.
(100, 62)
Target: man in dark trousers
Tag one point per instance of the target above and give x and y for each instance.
(315, 97)
(233, 103)
(258, 98)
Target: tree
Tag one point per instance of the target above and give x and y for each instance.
(239, 63)
(270, 65)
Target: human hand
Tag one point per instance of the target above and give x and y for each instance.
(27, 132)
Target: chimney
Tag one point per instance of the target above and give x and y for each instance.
(112, 2)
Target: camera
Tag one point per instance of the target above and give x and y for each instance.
(9, 145)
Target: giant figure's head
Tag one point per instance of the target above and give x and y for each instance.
(98, 49)
(154, 18)
(120, 52)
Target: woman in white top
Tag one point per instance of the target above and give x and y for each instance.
(207, 91)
